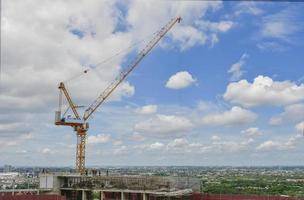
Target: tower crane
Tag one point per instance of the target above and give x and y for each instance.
(79, 123)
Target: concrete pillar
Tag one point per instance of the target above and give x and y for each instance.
(145, 196)
(101, 195)
(122, 196)
(84, 195)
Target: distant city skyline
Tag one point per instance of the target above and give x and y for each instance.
(224, 88)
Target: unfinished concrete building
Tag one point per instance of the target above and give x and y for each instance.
(78, 187)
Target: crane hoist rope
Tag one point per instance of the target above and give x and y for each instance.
(106, 60)
(80, 124)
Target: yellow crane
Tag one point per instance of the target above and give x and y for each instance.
(80, 124)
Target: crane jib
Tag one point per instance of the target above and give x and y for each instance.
(106, 93)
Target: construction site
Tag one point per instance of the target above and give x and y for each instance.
(81, 185)
(86, 184)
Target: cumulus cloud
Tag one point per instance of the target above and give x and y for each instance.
(15, 141)
(212, 29)
(152, 147)
(185, 35)
(180, 80)
(188, 36)
(53, 51)
(183, 146)
(164, 125)
(99, 139)
(178, 143)
(252, 132)
(269, 145)
(264, 91)
(62, 41)
(291, 113)
(236, 69)
(147, 109)
(236, 116)
(221, 145)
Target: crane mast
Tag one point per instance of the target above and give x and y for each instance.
(79, 124)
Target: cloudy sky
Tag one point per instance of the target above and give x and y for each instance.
(225, 87)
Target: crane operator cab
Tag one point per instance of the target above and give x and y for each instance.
(68, 120)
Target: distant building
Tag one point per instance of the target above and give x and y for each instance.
(7, 168)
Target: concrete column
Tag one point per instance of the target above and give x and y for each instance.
(122, 196)
(145, 196)
(84, 195)
(101, 195)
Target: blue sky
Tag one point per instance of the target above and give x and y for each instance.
(225, 87)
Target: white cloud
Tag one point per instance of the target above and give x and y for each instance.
(221, 26)
(53, 52)
(99, 139)
(281, 25)
(180, 80)
(48, 51)
(249, 7)
(212, 29)
(15, 140)
(221, 145)
(147, 109)
(215, 138)
(236, 116)
(46, 151)
(264, 91)
(206, 106)
(164, 125)
(22, 151)
(252, 132)
(218, 145)
(178, 143)
(291, 143)
(267, 145)
(186, 34)
(156, 145)
(234, 145)
(291, 113)
(122, 150)
(137, 137)
(271, 46)
(236, 69)
(300, 127)
(152, 147)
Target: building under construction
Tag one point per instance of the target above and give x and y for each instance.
(79, 187)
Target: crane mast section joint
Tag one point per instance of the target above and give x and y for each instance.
(108, 91)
